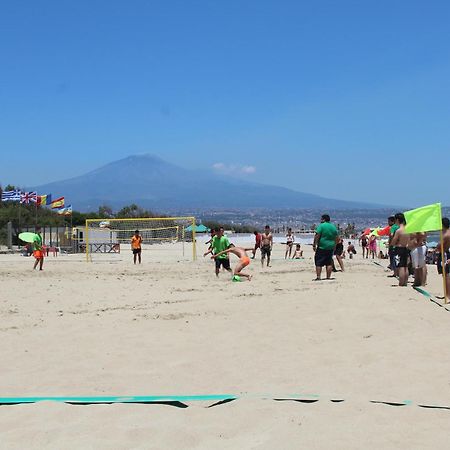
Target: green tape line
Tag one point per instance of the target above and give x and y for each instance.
(123, 399)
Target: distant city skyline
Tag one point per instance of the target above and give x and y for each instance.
(347, 100)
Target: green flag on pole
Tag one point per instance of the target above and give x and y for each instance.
(426, 218)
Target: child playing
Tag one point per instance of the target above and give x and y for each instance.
(298, 253)
(242, 255)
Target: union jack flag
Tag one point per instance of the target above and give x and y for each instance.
(28, 197)
(11, 196)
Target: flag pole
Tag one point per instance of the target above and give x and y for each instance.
(444, 268)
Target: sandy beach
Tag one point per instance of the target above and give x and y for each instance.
(169, 327)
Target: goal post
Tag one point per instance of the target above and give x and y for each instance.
(166, 234)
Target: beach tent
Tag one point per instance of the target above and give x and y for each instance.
(198, 228)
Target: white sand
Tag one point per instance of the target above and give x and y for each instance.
(167, 328)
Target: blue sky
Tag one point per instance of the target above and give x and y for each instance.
(347, 99)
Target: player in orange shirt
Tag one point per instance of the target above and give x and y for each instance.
(136, 247)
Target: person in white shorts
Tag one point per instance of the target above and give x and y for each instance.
(418, 249)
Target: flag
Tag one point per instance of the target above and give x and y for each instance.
(426, 218)
(44, 199)
(65, 211)
(11, 196)
(58, 203)
(28, 197)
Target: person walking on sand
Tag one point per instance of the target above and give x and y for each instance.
(244, 260)
(136, 246)
(257, 243)
(364, 244)
(220, 243)
(266, 245)
(290, 239)
(38, 251)
(324, 244)
(446, 263)
(400, 241)
(338, 252)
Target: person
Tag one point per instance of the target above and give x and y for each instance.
(220, 243)
(338, 252)
(400, 242)
(266, 245)
(418, 248)
(136, 246)
(364, 242)
(351, 250)
(38, 251)
(213, 233)
(290, 239)
(257, 243)
(298, 253)
(446, 263)
(373, 246)
(391, 248)
(324, 244)
(244, 260)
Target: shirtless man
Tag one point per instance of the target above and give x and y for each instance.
(266, 245)
(400, 241)
(418, 248)
(351, 250)
(446, 240)
(244, 260)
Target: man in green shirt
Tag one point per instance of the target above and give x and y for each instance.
(220, 243)
(324, 244)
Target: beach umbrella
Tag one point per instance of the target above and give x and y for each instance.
(198, 228)
(384, 231)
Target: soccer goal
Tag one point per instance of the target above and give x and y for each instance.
(162, 237)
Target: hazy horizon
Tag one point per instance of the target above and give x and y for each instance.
(345, 100)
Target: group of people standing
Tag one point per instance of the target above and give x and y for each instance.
(408, 251)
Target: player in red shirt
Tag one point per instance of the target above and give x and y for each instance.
(257, 243)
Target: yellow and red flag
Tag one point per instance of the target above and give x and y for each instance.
(58, 203)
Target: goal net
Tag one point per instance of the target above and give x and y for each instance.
(163, 237)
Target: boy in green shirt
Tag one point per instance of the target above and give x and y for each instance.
(38, 251)
(219, 244)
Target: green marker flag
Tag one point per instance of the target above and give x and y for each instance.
(426, 218)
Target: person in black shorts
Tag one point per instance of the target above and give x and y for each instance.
(324, 245)
(364, 243)
(266, 245)
(338, 251)
(400, 242)
(219, 243)
(136, 246)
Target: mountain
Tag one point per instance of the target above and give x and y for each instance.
(156, 184)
